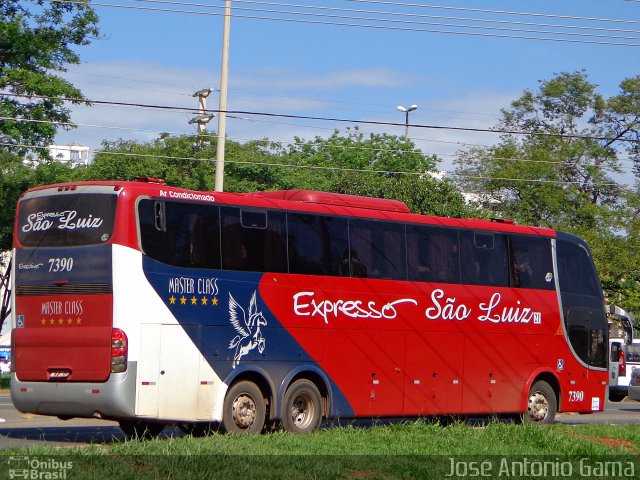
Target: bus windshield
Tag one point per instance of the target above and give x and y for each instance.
(64, 220)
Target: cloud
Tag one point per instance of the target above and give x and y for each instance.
(271, 90)
(287, 80)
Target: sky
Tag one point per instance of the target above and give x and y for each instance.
(150, 53)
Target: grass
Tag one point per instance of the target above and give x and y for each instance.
(404, 451)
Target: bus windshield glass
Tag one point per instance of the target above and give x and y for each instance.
(65, 220)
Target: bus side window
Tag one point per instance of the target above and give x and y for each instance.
(182, 234)
(576, 273)
(377, 249)
(253, 240)
(432, 254)
(194, 233)
(358, 260)
(484, 258)
(531, 262)
(316, 243)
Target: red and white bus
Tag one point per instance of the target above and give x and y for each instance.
(153, 305)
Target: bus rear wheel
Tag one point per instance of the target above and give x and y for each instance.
(244, 409)
(140, 429)
(302, 411)
(542, 404)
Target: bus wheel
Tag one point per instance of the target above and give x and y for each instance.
(616, 397)
(244, 409)
(542, 405)
(302, 410)
(141, 430)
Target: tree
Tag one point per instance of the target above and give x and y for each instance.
(560, 172)
(423, 194)
(36, 41)
(15, 178)
(186, 161)
(319, 163)
(563, 170)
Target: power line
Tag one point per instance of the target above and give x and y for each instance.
(501, 12)
(318, 118)
(343, 147)
(391, 14)
(295, 99)
(253, 120)
(317, 167)
(386, 27)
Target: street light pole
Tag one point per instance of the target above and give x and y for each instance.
(222, 115)
(202, 118)
(406, 117)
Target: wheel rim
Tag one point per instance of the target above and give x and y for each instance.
(538, 407)
(302, 411)
(244, 411)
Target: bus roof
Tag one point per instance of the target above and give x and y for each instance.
(307, 201)
(339, 199)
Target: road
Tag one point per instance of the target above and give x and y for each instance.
(18, 429)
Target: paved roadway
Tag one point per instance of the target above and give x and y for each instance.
(18, 429)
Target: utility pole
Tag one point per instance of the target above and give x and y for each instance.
(202, 118)
(222, 115)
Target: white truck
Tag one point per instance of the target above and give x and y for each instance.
(624, 352)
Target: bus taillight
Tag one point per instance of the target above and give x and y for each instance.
(119, 349)
(622, 364)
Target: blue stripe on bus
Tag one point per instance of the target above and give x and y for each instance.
(224, 315)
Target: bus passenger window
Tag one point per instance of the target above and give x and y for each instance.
(182, 234)
(377, 249)
(484, 258)
(532, 264)
(253, 240)
(316, 244)
(432, 254)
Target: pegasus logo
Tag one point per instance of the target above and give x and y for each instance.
(248, 328)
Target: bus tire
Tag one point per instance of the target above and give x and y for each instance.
(140, 429)
(616, 397)
(244, 409)
(542, 404)
(302, 409)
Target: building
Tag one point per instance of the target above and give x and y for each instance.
(74, 153)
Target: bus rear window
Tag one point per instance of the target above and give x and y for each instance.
(68, 219)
